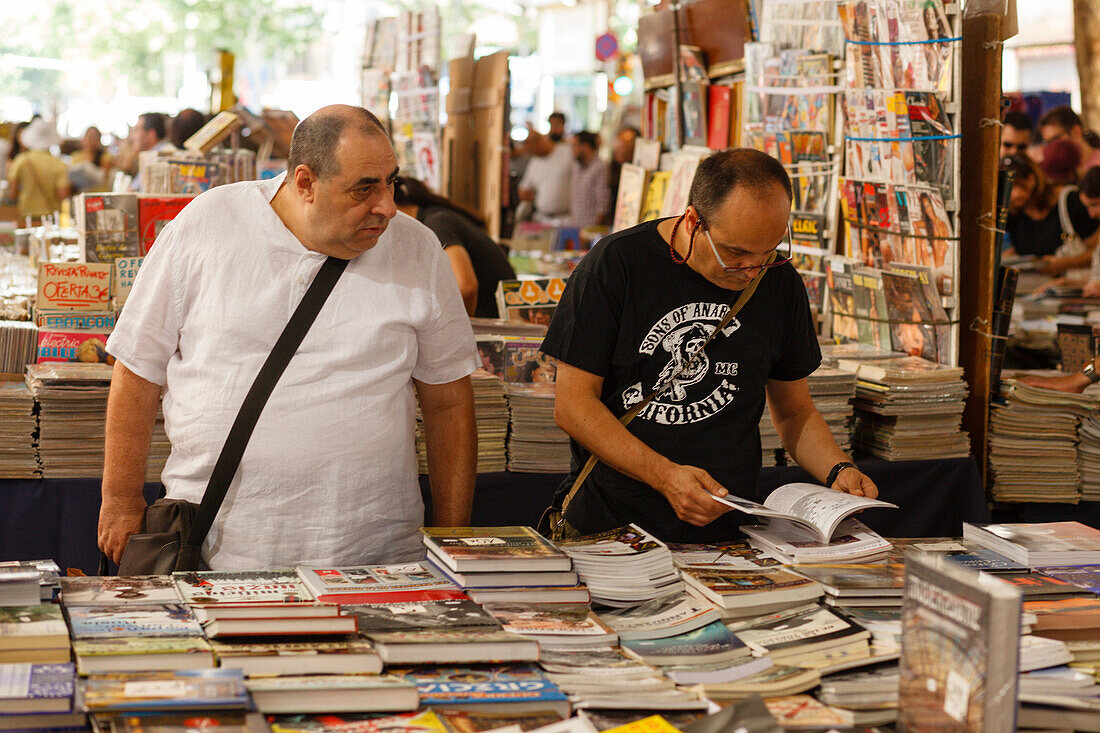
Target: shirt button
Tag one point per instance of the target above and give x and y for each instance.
(301, 281)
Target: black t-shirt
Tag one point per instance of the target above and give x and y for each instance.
(488, 258)
(631, 315)
(1043, 236)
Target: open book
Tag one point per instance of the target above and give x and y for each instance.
(816, 508)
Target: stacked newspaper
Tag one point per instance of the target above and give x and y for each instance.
(908, 408)
(17, 424)
(18, 345)
(536, 444)
(72, 403)
(1088, 458)
(1033, 443)
(491, 415)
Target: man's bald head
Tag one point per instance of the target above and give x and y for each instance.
(316, 137)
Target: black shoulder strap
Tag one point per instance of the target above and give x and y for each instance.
(273, 368)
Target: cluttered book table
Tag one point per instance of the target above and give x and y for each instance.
(56, 518)
(661, 638)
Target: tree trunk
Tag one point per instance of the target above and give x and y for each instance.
(1086, 42)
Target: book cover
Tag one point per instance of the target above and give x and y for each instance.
(30, 627)
(189, 689)
(108, 226)
(362, 682)
(738, 554)
(486, 684)
(377, 583)
(137, 646)
(423, 721)
(727, 584)
(695, 112)
(855, 579)
(349, 645)
(192, 176)
(100, 321)
(475, 721)
(555, 619)
(250, 586)
(842, 302)
(664, 616)
(524, 362)
(467, 548)
(67, 346)
(812, 626)
(718, 116)
(133, 590)
(420, 615)
(647, 153)
(959, 649)
(204, 722)
(1082, 576)
(515, 298)
(25, 686)
(166, 619)
(621, 541)
(154, 212)
(454, 635)
(213, 132)
(938, 314)
(911, 321)
(74, 286)
(712, 642)
(1025, 540)
(655, 195)
(632, 191)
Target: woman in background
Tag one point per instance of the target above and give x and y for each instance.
(478, 262)
(91, 164)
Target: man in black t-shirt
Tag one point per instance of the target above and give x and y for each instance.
(633, 314)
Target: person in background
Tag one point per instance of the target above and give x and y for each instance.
(1076, 229)
(1016, 133)
(1033, 220)
(37, 179)
(546, 180)
(148, 134)
(477, 261)
(557, 127)
(1063, 122)
(184, 125)
(589, 190)
(622, 151)
(329, 476)
(90, 167)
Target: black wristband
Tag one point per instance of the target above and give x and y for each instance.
(835, 471)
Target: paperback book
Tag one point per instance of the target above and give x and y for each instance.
(250, 586)
(815, 508)
(102, 622)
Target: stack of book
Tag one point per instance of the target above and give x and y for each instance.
(624, 566)
(515, 689)
(908, 409)
(17, 424)
(593, 673)
(109, 696)
(491, 415)
(48, 578)
(878, 585)
(832, 391)
(535, 443)
(741, 593)
(1047, 544)
(874, 689)
(72, 402)
(507, 564)
(807, 636)
(554, 625)
(1088, 457)
(670, 615)
(1033, 443)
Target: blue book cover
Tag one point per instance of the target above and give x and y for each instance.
(36, 681)
(462, 685)
(188, 689)
(979, 558)
(1086, 577)
(162, 619)
(703, 644)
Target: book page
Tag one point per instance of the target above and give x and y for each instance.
(818, 506)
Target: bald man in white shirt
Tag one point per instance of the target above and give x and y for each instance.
(329, 476)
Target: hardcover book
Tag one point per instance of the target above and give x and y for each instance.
(422, 615)
(154, 212)
(422, 721)
(493, 548)
(352, 655)
(100, 622)
(959, 649)
(133, 590)
(332, 694)
(250, 586)
(32, 627)
(140, 654)
(189, 689)
(36, 688)
(377, 583)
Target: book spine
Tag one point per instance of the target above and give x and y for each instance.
(1001, 679)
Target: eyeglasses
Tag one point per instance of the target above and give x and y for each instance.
(765, 266)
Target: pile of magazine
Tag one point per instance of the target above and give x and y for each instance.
(908, 409)
(17, 425)
(1033, 451)
(832, 391)
(491, 415)
(18, 345)
(72, 400)
(536, 444)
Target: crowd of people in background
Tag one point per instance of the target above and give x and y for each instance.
(1054, 204)
(42, 169)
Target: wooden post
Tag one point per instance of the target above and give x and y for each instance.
(980, 102)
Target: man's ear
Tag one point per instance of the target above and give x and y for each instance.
(305, 182)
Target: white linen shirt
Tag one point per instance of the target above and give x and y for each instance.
(329, 476)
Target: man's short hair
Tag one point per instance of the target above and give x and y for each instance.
(1063, 116)
(1018, 119)
(314, 141)
(719, 174)
(1090, 182)
(186, 124)
(584, 137)
(154, 121)
(556, 116)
